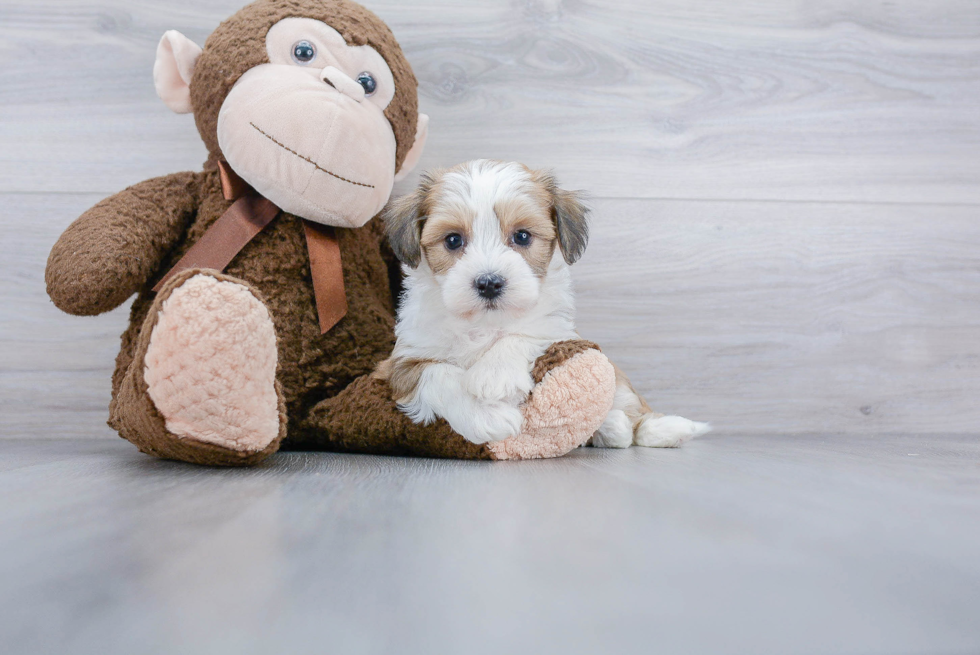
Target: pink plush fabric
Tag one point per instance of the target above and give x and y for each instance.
(211, 365)
(587, 384)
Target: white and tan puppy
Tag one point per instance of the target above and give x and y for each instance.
(486, 248)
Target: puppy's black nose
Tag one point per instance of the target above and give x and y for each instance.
(489, 286)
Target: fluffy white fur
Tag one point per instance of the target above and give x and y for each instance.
(482, 352)
(486, 354)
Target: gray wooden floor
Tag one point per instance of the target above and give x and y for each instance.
(786, 243)
(803, 544)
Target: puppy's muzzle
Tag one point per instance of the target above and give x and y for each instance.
(489, 286)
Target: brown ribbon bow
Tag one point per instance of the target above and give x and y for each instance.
(248, 215)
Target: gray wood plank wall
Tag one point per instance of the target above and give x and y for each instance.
(787, 194)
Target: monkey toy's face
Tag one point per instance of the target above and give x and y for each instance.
(307, 128)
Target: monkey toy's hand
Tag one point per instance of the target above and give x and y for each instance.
(115, 248)
(575, 384)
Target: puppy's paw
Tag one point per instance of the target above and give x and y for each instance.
(491, 422)
(615, 432)
(668, 431)
(496, 384)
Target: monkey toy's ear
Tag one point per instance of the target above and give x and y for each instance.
(413, 156)
(176, 57)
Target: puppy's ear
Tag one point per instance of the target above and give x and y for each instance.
(403, 219)
(571, 216)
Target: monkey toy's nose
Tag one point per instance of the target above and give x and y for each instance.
(489, 286)
(341, 81)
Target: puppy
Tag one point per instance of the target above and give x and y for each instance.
(486, 248)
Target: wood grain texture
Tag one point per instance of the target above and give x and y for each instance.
(763, 318)
(55, 369)
(728, 545)
(764, 99)
(791, 317)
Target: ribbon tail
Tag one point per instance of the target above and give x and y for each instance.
(328, 274)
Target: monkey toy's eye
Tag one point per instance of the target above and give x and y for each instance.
(522, 238)
(454, 242)
(304, 52)
(368, 82)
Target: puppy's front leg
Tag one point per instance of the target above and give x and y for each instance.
(438, 391)
(503, 373)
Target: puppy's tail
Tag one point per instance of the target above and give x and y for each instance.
(667, 431)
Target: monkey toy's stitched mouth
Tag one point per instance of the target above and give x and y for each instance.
(307, 159)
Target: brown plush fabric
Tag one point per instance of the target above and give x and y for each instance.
(132, 239)
(239, 45)
(107, 255)
(276, 264)
(558, 354)
(133, 415)
(339, 423)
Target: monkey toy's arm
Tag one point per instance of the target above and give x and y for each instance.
(575, 388)
(111, 251)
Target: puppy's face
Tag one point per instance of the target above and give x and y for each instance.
(486, 232)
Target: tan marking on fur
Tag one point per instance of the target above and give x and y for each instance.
(543, 186)
(565, 207)
(405, 217)
(635, 413)
(383, 370)
(443, 220)
(529, 213)
(402, 374)
(436, 190)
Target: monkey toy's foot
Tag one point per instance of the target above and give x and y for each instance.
(575, 385)
(211, 365)
(208, 360)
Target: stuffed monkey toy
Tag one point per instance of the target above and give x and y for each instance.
(265, 290)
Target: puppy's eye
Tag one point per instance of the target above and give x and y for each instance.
(304, 52)
(367, 81)
(522, 238)
(454, 242)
